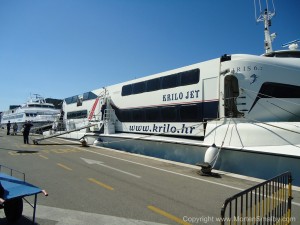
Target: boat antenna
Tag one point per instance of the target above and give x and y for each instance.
(265, 16)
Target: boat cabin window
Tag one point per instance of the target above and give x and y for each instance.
(138, 115)
(14, 106)
(179, 113)
(153, 85)
(127, 90)
(18, 116)
(170, 81)
(284, 54)
(153, 115)
(169, 114)
(68, 100)
(48, 106)
(89, 95)
(124, 115)
(74, 99)
(278, 90)
(71, 100)
(77, 114)
(189, 113)
(138, 88)
(189, 77)
(78, 100)
(31, 114)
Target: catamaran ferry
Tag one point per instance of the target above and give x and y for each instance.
(237, 113)
(36, 110)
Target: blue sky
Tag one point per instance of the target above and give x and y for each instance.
(60, 48)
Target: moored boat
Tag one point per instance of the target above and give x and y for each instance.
(247, 107)
(36, 110)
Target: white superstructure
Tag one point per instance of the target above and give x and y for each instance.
(249, 106)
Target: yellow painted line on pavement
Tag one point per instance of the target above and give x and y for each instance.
(63, 166)
(167, 215)
(42, 156)
(101, 184)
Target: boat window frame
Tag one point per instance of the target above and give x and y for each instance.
(164, 82)
(79, 114)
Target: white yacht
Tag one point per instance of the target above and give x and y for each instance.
(238, 113)
(36, 110)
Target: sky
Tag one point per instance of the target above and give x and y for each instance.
(61, 48)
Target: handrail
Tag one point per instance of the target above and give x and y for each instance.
(11, 171)
(269, 202)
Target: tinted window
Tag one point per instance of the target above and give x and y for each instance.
(138, 88)
(153, 85)
(89, 95)
(190, 77)
(169, 81)
(138, 115)
(284, 54)
(126, 90)
(68, 100)
(77, 114)
(71, 100)
(74, 99)
(189, 113)
(125, 115)
(153, 115)
(180, 113)
(85, 96)
(210, 110)
(168, 114)
(277, 90)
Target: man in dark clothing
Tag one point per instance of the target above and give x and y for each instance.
(26, 131)
(8, 127)
(60, 125)
(62, 113)
(103, 107)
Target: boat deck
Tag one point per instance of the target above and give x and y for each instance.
(95, 185)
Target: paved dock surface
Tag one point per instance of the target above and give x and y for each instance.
(89, 185)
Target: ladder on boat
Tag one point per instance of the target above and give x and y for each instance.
(37, 140)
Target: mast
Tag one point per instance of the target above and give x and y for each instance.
(265, 17)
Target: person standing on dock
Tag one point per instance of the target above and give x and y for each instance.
(103, 107)
(60, 125)
(15, 128)
(26, 131)
(8, 127)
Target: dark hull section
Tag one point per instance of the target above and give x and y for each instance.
(264, 166)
